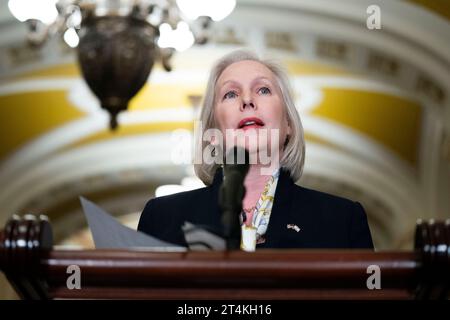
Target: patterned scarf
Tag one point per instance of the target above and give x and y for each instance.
(253, 234)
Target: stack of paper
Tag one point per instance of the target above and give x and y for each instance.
(108, 233)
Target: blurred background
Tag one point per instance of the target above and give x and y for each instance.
(371, 81)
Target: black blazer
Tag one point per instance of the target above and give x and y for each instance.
(325, 221)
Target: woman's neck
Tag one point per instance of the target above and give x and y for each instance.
(254, 183)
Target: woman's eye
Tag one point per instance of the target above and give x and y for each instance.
(230, 95)
(264, 90)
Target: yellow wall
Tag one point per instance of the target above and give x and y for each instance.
(391, 121)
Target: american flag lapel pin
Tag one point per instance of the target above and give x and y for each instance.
(293, 226)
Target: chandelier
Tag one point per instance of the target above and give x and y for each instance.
(118, 41)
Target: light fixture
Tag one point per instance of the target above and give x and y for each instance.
(118, 41)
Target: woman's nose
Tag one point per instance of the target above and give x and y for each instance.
(247, 103)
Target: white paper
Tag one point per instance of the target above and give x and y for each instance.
(109, 233)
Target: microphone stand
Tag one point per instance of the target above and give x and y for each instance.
(231, 194)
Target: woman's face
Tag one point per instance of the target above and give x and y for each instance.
(248, 99)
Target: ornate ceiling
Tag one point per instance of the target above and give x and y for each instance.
(374, 104)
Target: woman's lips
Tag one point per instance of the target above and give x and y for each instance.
(248, 123)
(248, 127)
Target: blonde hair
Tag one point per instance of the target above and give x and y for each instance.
(294, 151)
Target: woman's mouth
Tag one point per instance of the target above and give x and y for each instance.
(248, 123)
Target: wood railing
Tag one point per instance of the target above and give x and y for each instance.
(37, 271)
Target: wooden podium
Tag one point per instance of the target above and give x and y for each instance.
(37, 271)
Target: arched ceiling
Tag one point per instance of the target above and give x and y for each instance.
(374, 105)
(438, 7)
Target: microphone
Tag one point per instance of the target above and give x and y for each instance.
(231, 194)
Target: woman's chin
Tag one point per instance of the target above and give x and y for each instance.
(259, 155)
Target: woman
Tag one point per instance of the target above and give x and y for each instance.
(247, 97)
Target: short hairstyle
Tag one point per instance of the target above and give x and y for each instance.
(293, 157)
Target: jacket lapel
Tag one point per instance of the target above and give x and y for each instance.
(280, 211)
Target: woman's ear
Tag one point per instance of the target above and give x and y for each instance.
(289, 130)
(288, 133)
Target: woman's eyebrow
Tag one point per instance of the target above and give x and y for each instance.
(261, 78)
(229, 81)
(234, 82)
